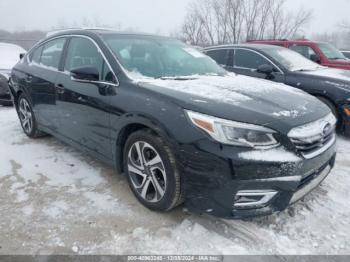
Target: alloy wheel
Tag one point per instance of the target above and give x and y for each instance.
(147, 172)
(25, 115)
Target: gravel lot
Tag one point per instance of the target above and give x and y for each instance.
(56, 200)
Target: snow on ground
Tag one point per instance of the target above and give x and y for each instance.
(56, 200)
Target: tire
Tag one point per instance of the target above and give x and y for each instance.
(27, 118)
(330, 106)
(157, 171)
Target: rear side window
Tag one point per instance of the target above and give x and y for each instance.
(248, 59)
(35, 58)
(220, 56)
(304, 50)
(52, 52)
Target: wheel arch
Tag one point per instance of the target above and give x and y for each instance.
(139, 123)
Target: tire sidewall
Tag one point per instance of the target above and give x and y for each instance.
(168, 200)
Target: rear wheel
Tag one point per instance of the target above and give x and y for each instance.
(27, 118)
(151, 170)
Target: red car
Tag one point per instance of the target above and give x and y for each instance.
(319, 52)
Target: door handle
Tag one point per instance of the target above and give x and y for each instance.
(29, 78)
(60, 88)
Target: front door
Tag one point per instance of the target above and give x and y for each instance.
(84, 105)
(246, 62)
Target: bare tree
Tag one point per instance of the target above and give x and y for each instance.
(224, 21)
(235, 19)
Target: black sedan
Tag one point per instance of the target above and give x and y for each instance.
(279, 64)
(178, 125)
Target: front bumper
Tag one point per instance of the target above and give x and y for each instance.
(213, 181)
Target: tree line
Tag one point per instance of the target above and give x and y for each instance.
(210, 22)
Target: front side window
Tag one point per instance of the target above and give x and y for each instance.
(248, 59)
(52, 52)
(158, 57)
(304, 50)
(331, 52)
(219, 55)
(82, 52)
(291, 60)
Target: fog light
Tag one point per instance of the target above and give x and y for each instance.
(253, 198)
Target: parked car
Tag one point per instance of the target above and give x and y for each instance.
(346, 54)
(320, 52)
(178, 125)
(9, 56)
(331, 86)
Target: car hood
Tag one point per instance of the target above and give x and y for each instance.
(336, 77)
(242, 98)
(341, 62)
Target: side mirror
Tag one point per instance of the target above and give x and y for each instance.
(315, 58)
(86, 73)
(265, 69)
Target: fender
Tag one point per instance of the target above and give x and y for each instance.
(131, 122)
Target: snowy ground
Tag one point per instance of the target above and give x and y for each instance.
(55, 200)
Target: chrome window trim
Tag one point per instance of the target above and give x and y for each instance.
(247, 49)
(81, 36)
(92, 82)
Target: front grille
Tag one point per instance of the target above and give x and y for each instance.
(314, 138)
(309, 147)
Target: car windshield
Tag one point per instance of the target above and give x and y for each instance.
(291, 60)
(158, 57)
(331, 52)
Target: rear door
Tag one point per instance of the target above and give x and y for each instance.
(41, 77)
(247, 62)
(84, 105)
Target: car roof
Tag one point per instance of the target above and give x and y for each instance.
(97, 31)
(248, 45)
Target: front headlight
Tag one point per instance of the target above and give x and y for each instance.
(234, 133)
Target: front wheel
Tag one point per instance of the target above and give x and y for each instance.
(27, 118)
(151, 170)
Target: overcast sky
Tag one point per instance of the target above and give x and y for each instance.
(154, 16)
